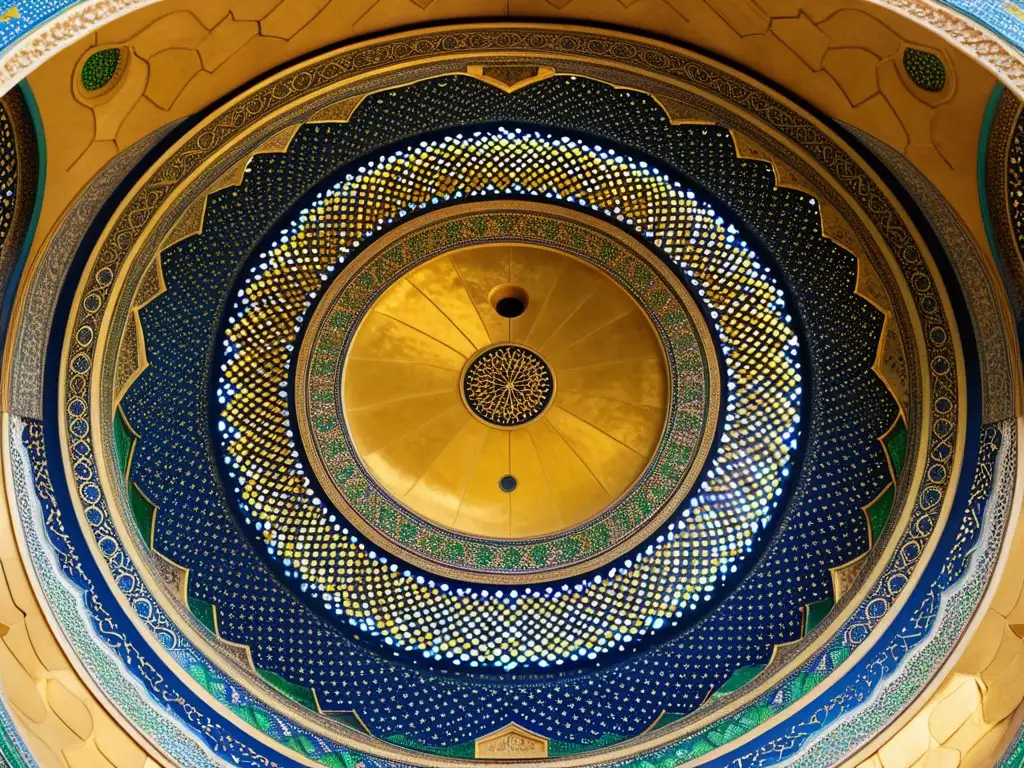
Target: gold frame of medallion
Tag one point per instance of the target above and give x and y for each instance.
(236, 141)
(713, 405)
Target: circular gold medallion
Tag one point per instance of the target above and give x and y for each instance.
(507, 385)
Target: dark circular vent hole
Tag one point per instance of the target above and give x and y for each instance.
(510, 307)
(508, 483)
(509, 301)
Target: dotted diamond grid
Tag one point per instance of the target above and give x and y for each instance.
(925, 69)
(1015, 182)
(100, 68)
(8, 174)
(673, 576)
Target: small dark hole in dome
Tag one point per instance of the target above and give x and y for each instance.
(508, 483)
(510, 307)
(509, 301)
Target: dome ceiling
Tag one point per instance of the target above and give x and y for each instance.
(410, 411)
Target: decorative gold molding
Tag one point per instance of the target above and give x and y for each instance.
(191, 221)
(1009, 112)
(891, 360)
(747, 148)
(682, 113)
(837, 229)
(339, 111)
(513, 742)
(790, 179)
(510, 77)
(845, 576)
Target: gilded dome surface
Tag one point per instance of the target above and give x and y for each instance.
(419, 597)
(344, 281)
(448, 466)
(570, 463)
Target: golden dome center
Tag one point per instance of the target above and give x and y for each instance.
(449, 386)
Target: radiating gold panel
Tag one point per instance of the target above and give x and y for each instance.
(531, 269)
(384, 338)
(440, 281)
(486, 510)
(622, 339)
(634, 381)
(381, 425)
(628, 423)
(575, 284)
(481, 270)
(408, 304)
(380, 381)
(614, 464)
(533, 504)
(438, 493)
(403, 405)
(574, 486)
(606, 306)
(404, 461)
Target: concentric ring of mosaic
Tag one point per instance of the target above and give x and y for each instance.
(678, 571)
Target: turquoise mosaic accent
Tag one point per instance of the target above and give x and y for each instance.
(205, 613)
(1014, 755)
(13, 752)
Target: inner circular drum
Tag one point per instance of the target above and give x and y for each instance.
(572, 443)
